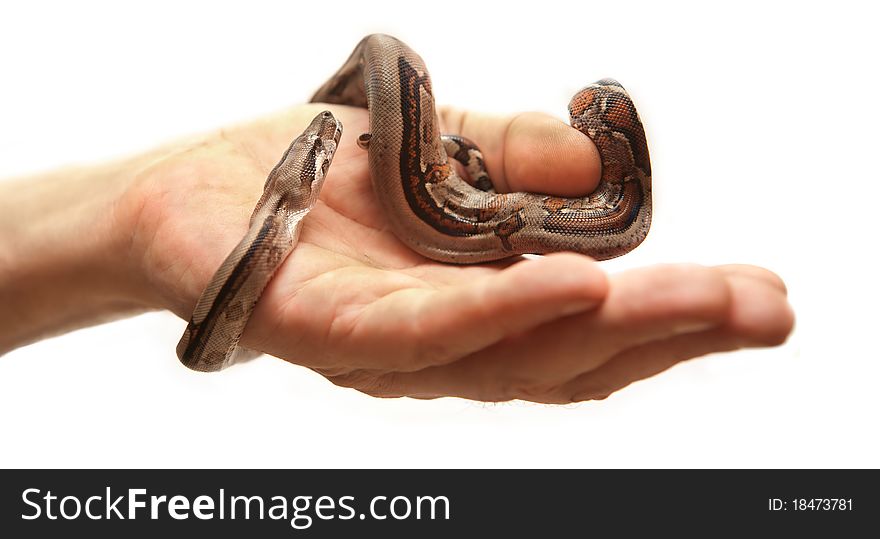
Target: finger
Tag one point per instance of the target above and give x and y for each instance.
(642, 306)
(755, 272)
(761, 313)
(760, 316)
(530, 151)
(641, 362)
(434, 327)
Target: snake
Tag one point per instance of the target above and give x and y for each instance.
(432, 207)
(210, 341)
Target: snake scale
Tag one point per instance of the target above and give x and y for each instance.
(430, 207)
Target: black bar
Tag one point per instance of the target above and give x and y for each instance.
(516, 503)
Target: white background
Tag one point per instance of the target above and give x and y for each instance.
(762, 120)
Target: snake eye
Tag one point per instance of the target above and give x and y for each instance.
(319, 144)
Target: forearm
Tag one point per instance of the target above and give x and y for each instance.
(63, 252)
(84, 245)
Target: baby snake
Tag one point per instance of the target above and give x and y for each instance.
(430, 207)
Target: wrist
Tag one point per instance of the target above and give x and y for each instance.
(61, 254)
(183, 213)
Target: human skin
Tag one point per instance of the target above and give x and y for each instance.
(89, 244)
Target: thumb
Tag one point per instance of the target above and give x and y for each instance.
(529, 151)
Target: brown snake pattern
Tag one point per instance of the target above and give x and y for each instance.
(438, 214)
(429, 206)
(210, 341)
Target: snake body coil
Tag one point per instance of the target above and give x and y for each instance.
(438, 214)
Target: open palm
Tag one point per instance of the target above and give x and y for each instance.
(355, 304)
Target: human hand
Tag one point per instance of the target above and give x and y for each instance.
(355, 304)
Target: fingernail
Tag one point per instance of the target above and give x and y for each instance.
(578, 307)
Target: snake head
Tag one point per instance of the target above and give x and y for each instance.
(324, 133)
(296, 180)
(311, 154)
(326, 127)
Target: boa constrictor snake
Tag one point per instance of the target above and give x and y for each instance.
(431, 208)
